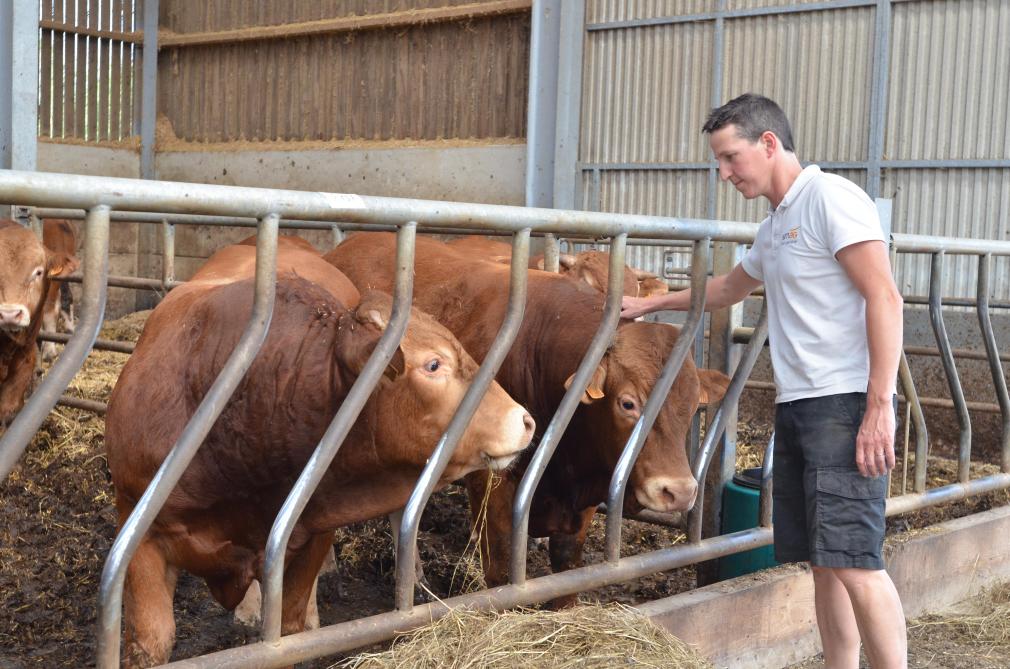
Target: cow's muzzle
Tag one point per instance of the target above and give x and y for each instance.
(14, 316)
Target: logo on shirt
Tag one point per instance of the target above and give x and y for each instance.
(790, 237)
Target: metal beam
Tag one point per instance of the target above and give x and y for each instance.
(19, 94)
(149, 89)
(568, 122)
(545, 28)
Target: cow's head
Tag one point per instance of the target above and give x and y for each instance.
(661, 479)
(25, 269)
(425, 382)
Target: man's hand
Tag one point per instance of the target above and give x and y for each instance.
(875, 441)
(633, 307)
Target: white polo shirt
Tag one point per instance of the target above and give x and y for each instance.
(816, 317)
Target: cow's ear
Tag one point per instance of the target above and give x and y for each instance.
(594, 390)
(566, 260)
(713, 386)
(588, 278)
(396, 365)
(60, 264)
(374, 317)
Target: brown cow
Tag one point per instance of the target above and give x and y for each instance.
(590, 267)
(216, 523)
(58, 236)
(26, 270)
(469, 297)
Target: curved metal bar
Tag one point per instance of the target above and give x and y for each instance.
(569, 403)
(343, 421)
(110, 598)
(919, 418)
(622, 471)
(96, 266)
(998, 378)
(337, 234)
(405, 548)
(949, 368)
(551, 253)
(718, 425)
(765, 501)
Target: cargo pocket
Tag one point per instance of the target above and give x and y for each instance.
(850, 510)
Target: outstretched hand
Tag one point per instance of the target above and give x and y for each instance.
(633, 307)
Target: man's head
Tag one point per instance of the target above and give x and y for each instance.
(748, 136)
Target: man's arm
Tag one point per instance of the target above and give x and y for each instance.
(868, 267)
(720, 292)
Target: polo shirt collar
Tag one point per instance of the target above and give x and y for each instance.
(802, 179)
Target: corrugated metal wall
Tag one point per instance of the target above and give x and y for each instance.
(462, 79)
(89, 75)
(648, 80)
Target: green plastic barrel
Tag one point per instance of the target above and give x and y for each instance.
(740, 509)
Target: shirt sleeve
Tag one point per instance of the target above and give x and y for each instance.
(753, 262)
(849, 217)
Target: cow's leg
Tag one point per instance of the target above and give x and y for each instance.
(50, 323)
(148, 616)
(300, 583)
(566, 553)
(493, 526)
(395, 520)
(249, 610)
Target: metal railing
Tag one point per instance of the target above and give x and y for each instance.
(274, 209)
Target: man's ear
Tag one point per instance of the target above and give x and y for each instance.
(60, 264)
(594, 390)
(770, 141)
(713, 386)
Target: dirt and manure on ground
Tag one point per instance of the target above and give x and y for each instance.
(57, 523)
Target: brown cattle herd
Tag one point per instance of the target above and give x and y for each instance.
(329, 313)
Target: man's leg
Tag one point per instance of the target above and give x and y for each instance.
(835, 621)
(878, 615)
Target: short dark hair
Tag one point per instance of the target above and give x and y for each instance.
(752, 115)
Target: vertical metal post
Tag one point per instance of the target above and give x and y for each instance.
(110, 597)
(992, 353)
(765, 500)
(542, 114)
(921, 435)
(338, 234)
(552, 255)
(19, 87)
(878, 95)
(569, 107)
(949, 368)
(149, 89)
(96, 269)
(622, 471)
(340, 426)
(167, 255)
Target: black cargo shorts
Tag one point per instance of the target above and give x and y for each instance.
(824, 510)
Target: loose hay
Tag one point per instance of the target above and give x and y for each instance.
(584, 636)
(988, 622)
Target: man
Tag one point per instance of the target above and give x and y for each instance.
(835, 330)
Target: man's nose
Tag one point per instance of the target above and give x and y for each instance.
(724, 171)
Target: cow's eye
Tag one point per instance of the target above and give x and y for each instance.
(432, 365)
(628, 405)
(37, 274)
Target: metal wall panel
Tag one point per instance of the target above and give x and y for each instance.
(817, 66)
(755, 4)
(454, 80)
(949, 87)
(646, 94)
(951, 203)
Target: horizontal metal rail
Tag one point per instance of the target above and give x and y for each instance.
(941, 402)
(80, 403)
(77, 192)
(99, 345)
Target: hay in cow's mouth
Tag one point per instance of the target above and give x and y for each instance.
(590, 637)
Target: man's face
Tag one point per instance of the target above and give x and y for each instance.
(746, 164)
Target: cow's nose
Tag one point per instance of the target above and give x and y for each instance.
(530, 426)
(667, 494)
(11, 314)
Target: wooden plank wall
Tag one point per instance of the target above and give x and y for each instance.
(330, 71)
